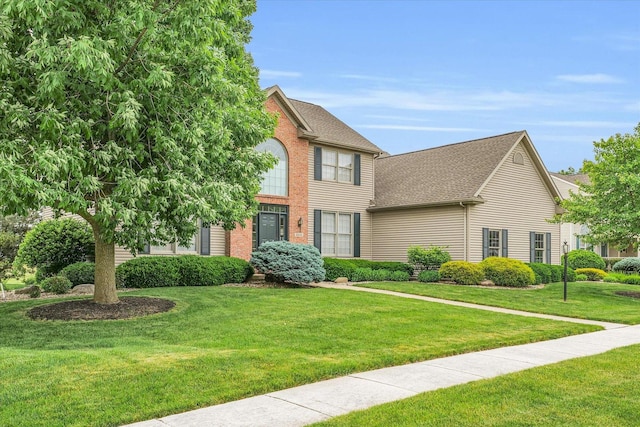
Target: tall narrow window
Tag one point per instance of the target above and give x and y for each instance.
(275, 181)
(539, 248)
(337, 234)
(494, 242)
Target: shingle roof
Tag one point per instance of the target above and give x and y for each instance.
(331, 130)
(574, 179)
(447, 174)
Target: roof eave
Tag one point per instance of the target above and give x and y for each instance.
(316, 139)
(461, 202)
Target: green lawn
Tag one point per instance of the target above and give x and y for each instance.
(599, 390)
(223, 344)
(586, 300)
(11, 284)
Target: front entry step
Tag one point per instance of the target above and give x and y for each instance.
(256, 278)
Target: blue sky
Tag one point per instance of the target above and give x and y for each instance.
(410, 75)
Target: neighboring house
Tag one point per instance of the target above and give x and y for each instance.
(487, 197)
(573, 233)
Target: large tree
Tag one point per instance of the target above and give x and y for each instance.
(610, 203)
(139, 116)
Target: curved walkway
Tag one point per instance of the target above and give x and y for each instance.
(300, 406)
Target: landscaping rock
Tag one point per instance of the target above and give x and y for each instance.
(487, 283)
(83, 289)
(26, 290)
(341, 280)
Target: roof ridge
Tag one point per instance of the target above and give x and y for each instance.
(449, 145)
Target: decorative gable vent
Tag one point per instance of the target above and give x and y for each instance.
(518, 159)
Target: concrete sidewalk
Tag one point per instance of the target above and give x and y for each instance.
(311, 403)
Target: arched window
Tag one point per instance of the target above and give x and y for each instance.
(275, 181)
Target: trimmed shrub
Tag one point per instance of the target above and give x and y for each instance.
(419, 257)
(543, 272)
(184, 270)
(80, 273)
(429, 276)
(284, 261)
(399, 276)
(461, 272)
(338, 267)
(627, 265)
(54, 244)
(581, 278)
(581, 258)
(610, 262)
(557, 273)
(593, 274)
(56, 285)
(632, 279)
(35, 292)
(361, 274)
(380, 275)
(508, 272)
(614, 278)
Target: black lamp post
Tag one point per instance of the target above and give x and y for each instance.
(565, 251)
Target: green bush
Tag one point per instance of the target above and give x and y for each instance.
(434, 257)
(361, 274)
(429, 276)
(557, 273)
(632, 279)
(614, 278)
(56, 285)
(149, 272)
(338, 267)
(581, 258)
(581, 278)
(54, 244)
(593, 274)
(35, 292)
(9, 243)
(80, 273)
(610, 262)
(508, 272)
(399, 276)
(543, 272)
(627, 265)
(284, 261)
(380, 275)
(461, 272)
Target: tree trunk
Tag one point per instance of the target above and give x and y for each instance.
(105, 280)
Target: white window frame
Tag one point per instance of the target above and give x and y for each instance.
(174, 248)
(275, 182)
(539, 247)
(495, 250)
(336, 233)
(337, 166)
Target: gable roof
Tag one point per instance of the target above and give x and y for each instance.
(318, 125)
(447, 175)
(572, 179)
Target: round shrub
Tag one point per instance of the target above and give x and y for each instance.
(581, 278)
(361, 275)
(508, 272)
(149, 272)
(54, 244)
(434, 257)
(627, 265)
(35, 292)
(56, 285)
(429, 276)
(581, 258)
(399, 276)
(543, 272)
(290, 262)
(461, 272)
(336, 267)
(80, 273)
(593, 274)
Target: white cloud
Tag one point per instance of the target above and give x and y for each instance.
(597, 78)
(584, 124)
(275, 74)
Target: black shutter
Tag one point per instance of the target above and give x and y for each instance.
(532, 246)
(317, 229)
(205, 239)
(547, 248)
(485, 243)
(356, 169)
(356, 235)
(505, 243)
(317, 163)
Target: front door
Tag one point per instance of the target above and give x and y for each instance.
(269, 230)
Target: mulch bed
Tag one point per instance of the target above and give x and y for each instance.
(632, 294)
(86, 309)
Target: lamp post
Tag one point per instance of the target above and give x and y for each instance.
(565, 251)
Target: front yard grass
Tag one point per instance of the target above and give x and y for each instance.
(599, 390)
(221, 344)
(586, 300)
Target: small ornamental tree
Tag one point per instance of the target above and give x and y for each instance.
(284, 261)
(141, 117)
(54, 244)
(433, 257)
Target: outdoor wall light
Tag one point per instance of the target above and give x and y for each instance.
(300, 222)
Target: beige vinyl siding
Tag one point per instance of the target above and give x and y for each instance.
(568, 231)
(516, 199)
(343, 197)
(394, 231)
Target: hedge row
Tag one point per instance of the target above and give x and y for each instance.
(185, 270)
(547, 273)
(337, 267)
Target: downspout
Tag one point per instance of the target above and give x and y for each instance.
(465, 230)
